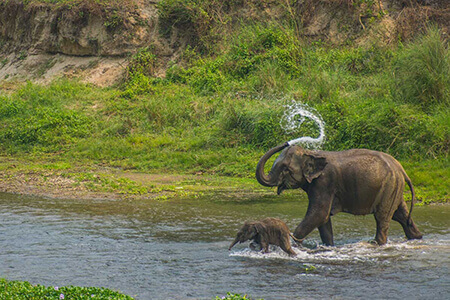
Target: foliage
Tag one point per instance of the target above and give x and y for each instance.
(10, 290)
(44, 122)
(140, 69)
(231, 296)
(218, 113)
(431, 180)
(422, 72)
(233, 100)
(143, 62)
(113, 12)
(190, 17)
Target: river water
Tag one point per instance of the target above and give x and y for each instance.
(177, 249)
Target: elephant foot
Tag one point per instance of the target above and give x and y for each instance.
(310, 244)
(255, 246)
(413, 233)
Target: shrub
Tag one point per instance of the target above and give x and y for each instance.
(231, 296)
(188, 16)
(25, 290)
(143, 62)
(422, 71)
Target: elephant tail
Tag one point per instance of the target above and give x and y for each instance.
(413, 197)
(299, 241)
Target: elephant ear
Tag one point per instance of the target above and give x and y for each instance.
(251, 229)
(261, 230)
(312, 166)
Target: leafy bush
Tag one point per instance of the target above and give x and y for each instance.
(10, 290)
(231, 296)
(216, 113)
(422, 71)
(190, 17)
(143, 62)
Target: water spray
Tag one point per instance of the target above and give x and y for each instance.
(295, 115)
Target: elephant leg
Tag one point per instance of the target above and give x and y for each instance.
(317, 215)
(265, 247)
(326, 233)
(285, 245)
(401, 216)
(255, 246)
(288, 249)
(382, 229)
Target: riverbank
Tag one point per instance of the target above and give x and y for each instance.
(203, 114)
(62, 179)
(84, 181)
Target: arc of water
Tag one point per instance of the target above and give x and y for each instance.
(294, 116)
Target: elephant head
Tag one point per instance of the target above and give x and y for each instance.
(295, 167)
(247, 232)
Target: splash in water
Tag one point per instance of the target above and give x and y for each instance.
(295, 115)
(342, 254)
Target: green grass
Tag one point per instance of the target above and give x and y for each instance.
(431, 180)
(217, 113)
(16, 290)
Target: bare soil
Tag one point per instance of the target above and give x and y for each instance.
(43, 41)
(108, 183)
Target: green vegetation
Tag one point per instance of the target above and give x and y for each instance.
(231, 296)
(218, 108)
(106, 3)
(113, 12)
(14, 290)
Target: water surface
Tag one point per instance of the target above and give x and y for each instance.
(177, 249)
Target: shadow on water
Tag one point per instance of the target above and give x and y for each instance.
(177, 249)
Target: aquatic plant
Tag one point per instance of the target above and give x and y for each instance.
(231, 296)
(10, 290)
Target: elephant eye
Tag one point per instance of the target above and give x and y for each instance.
(291, 174)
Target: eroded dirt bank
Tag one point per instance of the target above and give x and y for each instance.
(40, 41)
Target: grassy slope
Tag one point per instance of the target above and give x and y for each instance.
(218, 109)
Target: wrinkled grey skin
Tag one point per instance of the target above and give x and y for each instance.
(267, 231)
(357, 181)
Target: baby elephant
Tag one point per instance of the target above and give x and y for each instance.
(267, 231)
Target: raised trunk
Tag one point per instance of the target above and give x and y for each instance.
(263, 179)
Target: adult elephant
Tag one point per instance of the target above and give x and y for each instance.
(356, 181)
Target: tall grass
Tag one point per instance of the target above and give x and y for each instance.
(217, 113)
(422, 72)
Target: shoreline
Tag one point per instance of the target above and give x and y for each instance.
(113, 184)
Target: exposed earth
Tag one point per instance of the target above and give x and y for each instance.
(41, 41)
(96, 182)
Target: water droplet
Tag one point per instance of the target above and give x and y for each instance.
(295, 115)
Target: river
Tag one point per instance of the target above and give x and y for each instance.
(177, 249)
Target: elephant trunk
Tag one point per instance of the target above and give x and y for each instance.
(270, 179)
(233, 243)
